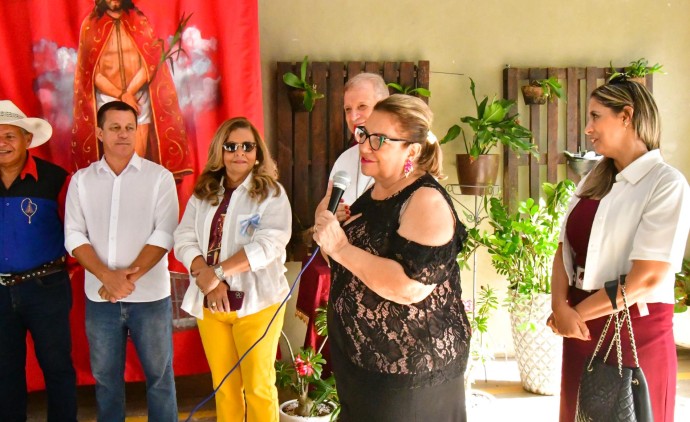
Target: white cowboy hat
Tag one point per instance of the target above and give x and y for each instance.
(10, 114)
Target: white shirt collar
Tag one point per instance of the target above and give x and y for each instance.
(135, 162)
(246, 183)
(639, 168)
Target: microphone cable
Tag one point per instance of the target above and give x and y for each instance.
(287, 297)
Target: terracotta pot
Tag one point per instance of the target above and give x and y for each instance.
(296, 97)
(473, 174)
(533, 94)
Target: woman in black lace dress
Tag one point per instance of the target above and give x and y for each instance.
(398, 329)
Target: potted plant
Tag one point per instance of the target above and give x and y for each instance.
(317, 399)
(636, 71)
(408, 90)
(303, 94)
(539, 91)
(681, 319)
(522, 246)
(492, 125)
(478, 316)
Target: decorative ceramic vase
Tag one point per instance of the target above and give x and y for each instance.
(539, 352)
(681, 328)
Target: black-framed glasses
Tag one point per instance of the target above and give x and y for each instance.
(375, 139)
(246, 146)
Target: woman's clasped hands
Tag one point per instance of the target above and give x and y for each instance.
(566, 321)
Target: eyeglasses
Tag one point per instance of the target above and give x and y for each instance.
(376, 140)
(246, 146)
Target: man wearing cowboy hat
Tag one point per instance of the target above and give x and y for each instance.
(35, 292)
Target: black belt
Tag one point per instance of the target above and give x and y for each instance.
(52, 267)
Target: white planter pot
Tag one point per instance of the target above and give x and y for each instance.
(284, 417)
(681, 329)
(539, 352)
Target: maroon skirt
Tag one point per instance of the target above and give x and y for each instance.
(656, 351)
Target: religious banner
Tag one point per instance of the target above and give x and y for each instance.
(184, 65)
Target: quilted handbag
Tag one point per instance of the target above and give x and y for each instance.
(613, 393)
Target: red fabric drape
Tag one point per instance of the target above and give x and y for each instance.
(218, 78)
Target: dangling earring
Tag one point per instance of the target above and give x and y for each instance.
(256, 163)
(407, 169)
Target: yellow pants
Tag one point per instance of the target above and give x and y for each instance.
(225, 338)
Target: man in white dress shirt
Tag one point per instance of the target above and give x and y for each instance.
(362, 92)
(120, 215)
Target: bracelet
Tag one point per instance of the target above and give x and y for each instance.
(218, 270)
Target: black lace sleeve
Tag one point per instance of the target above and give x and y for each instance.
(425, 264)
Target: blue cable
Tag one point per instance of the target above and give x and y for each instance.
(204, 401)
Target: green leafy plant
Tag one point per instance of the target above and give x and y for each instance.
(408, 90)
(300, 82)
(551, 87)
(493, 125)
(637, 69)
(682, 288)
(522, 245)
(479, 316)
(303, 374)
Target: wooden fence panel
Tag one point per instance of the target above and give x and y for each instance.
(309, 143)
(574, 80)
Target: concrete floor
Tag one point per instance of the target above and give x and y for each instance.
(509, 401)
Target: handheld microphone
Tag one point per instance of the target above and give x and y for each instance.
(341, 180)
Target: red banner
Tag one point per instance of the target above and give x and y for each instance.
(45, 44)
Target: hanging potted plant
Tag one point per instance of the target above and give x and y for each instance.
(302, 94)
(409, 90)
(636, 71)
(492, 125)
(681, 319)
(522, 247)
(317, 398)
(539, 91)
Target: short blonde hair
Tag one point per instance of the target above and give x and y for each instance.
(414, 118)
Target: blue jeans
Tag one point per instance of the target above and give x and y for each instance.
(42, 307)
(149, 324)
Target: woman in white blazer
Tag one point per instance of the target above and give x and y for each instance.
(232, 239)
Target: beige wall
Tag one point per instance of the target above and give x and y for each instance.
(477, 39)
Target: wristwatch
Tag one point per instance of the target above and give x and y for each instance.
(218, 269)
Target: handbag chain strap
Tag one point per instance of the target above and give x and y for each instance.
(617, 323)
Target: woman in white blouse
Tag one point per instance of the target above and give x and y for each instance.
(629, 216)
(232, 239)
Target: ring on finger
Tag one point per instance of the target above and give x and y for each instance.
(213, 304)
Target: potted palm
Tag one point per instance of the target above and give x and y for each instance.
(302, 94)
(636, 71)
(681, 319)
(539, 91)
(493, 125)
(522, 246)
(317, 398)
